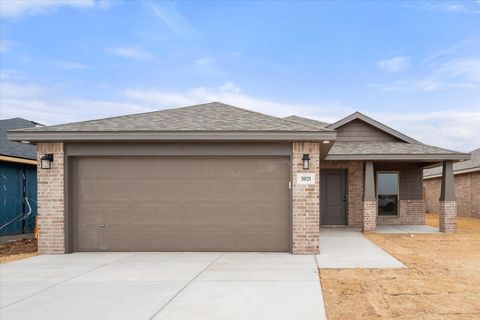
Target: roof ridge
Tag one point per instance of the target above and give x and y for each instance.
(265, 115)
(303, 124)
(305, 118)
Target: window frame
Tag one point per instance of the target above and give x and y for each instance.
(389, 194)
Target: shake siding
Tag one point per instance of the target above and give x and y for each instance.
(358, 130)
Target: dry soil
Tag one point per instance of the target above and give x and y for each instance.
(442, 280)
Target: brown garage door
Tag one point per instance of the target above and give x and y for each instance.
(182, 204)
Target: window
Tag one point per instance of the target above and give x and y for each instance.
(387, 193)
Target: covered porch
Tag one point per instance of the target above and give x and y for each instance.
(379, 186)
(382, 204)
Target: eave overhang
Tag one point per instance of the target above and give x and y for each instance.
(400, 157)
(98, 136)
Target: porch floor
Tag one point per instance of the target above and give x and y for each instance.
(348, 248)
(406, 229)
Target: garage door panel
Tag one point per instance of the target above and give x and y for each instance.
(182, 204)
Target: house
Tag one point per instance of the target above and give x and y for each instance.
(467, 186)
(18, 181)
(214, 177)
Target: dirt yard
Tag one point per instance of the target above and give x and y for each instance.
(18, 249)
(442, 281)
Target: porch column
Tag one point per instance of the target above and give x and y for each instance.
(448, 204)
(369, 199)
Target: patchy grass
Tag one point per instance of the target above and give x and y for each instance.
(442, 281)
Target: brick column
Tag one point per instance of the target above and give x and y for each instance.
(369, 199)
(369, 215)
(306, 205)
(448, 216)
(50, 218)
(448, 204)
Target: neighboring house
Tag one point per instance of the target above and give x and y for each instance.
(18, 181)
(467, 186)
(214, 177)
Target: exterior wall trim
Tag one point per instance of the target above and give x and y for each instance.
(18, 160)
(171, 149)
(173, 136)
(396, 157)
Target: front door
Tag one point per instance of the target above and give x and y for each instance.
(333, 197)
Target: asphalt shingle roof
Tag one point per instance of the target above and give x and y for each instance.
(306, 121)
(473, 163)
(380, 148)
(213, 116)
(12, 148)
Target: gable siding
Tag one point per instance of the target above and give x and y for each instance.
(358, 130)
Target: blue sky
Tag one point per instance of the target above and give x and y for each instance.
(413, 65)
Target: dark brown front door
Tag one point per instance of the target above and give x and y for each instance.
(332, 197)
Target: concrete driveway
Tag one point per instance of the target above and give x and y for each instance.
(162, 286)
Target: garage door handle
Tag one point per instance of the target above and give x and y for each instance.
(103, 225)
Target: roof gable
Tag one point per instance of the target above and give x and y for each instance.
(357, 116)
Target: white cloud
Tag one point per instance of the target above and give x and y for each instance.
(395, 64)
(5, 45)
(131, 53)
(44, 105)
(457, 130)
(10, 74)
(167, 12)
(69, 65)
(457, 66)
(449, 73)
(230, 94)
(203, 62)
(467, 67)
(447, 6)
(18, 8)
(451, 129)
(229, 86)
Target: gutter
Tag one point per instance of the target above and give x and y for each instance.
(60, 136)
(406, 157)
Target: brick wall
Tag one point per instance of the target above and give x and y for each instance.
(448, 214)
(355, 189)
(305, 202)
(50, 218)
(369, 215)
(467, 190)
(410, 212)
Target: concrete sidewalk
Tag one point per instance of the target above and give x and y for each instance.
(161, 286)
(348, 248)
(406, 229)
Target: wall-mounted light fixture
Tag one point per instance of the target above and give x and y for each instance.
(326, 141)
(306, 161)
(46, 161)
